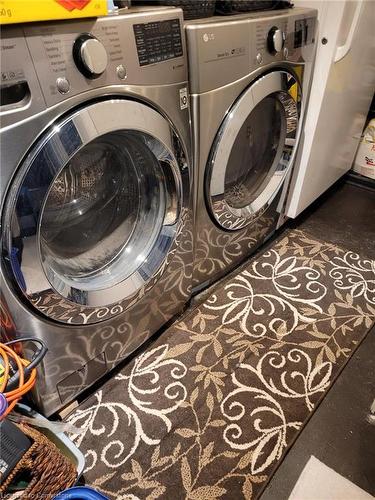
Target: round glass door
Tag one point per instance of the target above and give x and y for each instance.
(97, 206)
(253, 150)
(104, 210)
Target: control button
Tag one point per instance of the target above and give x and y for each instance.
(90, 56)
(286, 52)
(63, 85)
(275, 40)
(121, 71)
(259, 58)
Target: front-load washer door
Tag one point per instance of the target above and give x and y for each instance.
(95, 209)
(253, 150)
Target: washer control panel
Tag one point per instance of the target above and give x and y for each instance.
(136, 49)
(74, 57)
(158, 41)
(90, 55)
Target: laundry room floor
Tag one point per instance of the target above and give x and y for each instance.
(231, 400)
(340, 433)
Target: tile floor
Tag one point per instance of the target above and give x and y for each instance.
(339, 433)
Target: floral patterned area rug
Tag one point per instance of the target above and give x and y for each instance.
(209, 409)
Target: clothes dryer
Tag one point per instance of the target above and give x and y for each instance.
(249, 82)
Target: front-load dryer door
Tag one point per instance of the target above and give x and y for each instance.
(95, 209)
(253, 150)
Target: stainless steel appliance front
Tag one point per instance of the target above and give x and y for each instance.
(254, 96)
(96, 205)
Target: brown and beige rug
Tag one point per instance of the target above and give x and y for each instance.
(209, 409)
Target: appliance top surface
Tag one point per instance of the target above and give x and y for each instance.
(223, 50)
(249, 16)
(149, 9)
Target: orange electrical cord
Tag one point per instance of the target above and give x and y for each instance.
(23, 386)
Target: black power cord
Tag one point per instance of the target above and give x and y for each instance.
(36, 359)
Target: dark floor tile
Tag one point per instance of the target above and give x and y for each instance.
(338, 433)
(345, 216)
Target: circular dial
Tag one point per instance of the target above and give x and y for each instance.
(90, 55)
(275, 40)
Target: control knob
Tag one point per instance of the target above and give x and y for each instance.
(89, 55)
(275, 40)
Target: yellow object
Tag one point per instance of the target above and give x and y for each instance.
(1, 373)
(24, 11)
(293, 91)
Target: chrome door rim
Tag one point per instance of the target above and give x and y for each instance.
(228, 217)
(86, 124)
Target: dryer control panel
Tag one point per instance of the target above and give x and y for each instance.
(304, 31)
(223, 51)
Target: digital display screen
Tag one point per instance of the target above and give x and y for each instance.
(303, 32)
(158, 41)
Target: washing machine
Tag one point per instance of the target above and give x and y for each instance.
(96, 222)
(249, 82)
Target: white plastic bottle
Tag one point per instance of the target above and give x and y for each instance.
(364, 162)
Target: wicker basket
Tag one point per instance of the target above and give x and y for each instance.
(193, 9)
(50, 471)
(227, 7)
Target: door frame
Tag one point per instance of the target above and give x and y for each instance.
(64, 139)
(277, 82)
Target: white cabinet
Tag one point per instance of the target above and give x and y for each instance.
(341, 91)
